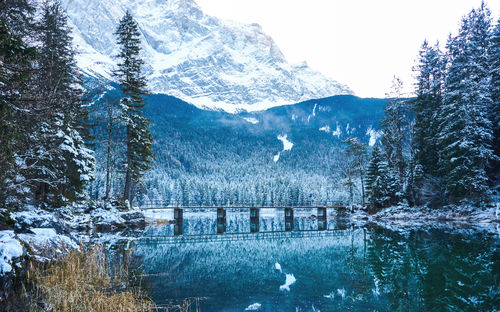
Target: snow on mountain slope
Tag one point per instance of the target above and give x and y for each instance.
(205, 61)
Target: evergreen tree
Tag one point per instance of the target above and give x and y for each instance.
(16, 65)
(430, 79)
(139, 141)
(349, 177)
(395, 132)
(494, 60)
(380, 184)
(18, 16)
(414, 182)
(465, 128)
(59, 161)
(357, 151)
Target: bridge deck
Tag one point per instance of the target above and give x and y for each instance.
(242, 207)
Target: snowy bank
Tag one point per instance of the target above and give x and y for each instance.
(10, 249)
(399, 218)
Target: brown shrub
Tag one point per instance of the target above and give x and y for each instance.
(81, 281)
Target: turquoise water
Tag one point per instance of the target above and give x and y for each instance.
(346, 268)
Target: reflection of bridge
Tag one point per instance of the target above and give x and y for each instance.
(254, 214)
(203, 238)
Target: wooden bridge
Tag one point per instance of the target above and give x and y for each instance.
(254, 214)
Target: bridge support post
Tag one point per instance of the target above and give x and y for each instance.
(322, 219)
(221, 220)
(288, 219)
(178, 217)
(254, 220)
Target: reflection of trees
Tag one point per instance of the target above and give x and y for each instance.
(434, 271)
(359, 277)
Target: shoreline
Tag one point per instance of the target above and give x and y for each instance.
(34, 231)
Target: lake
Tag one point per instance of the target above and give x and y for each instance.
(344, 268)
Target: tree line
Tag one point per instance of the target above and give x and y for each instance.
(45, 134)
(442, 147)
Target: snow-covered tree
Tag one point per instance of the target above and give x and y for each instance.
(139, 140)
(58, 162)
(430, 73)
(465, 131)
(494, 60)
(16, 67)
(395, 131)
(380, 184)
(357, 151)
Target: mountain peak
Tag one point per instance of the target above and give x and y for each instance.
(211, 63)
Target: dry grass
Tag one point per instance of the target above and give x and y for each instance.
(81, 282)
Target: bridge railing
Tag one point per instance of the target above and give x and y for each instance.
(154, 204)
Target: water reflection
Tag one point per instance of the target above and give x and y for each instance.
(357, 269)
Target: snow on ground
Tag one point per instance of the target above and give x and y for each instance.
(276, 157)
(287, 145)
(33, 215)
(277, 266)
(251, 120)
(107, 215)
(159, 214)
(253, 307)
(337, 132)
(374, 135)
(47, 240)
(459, 218)
(290, 280)
(341, 292)
(10, 249)
(325, 129)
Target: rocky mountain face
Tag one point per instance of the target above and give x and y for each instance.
(211, 63)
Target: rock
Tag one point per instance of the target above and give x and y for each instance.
(46, 243)
(25, 220)
(109, 226)
(115, 220)
(134, 220)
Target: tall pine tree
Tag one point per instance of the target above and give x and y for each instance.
(396, 133)
(139, 141)
(380, 183)
(429, 89)
(494, 60)
(16, 67)
(357, 151)
(58, 163)
(465, 128)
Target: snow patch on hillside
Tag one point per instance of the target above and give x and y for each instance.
(337, 132)
(251, 120)
(277, 157)
(289, 280)
(325, 129)
(254, 307)
(374, 135)
(287, 145)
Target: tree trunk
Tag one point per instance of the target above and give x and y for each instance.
(128, 174)
(362, 177)
(110, 139)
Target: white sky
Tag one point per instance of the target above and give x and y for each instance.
(362, 43)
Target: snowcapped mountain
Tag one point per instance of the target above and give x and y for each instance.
(200, 59)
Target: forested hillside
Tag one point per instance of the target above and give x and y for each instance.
(208, 157)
